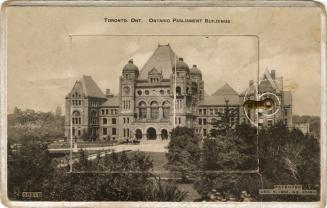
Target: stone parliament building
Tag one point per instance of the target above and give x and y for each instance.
(144, 106)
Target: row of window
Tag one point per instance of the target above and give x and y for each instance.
(202, 121)
(147, 92)
(154, 112)
(114, 121)
(76, 120)
(126, 132)
(93, 104)
(213, 111)
(126, 104)
(106, 112)
(76, 117)
(76, 95)
(154, 80)
(105, 131)
(126, 120)
(105, 121)
(77, 102)
(153, 104)
(79, 133)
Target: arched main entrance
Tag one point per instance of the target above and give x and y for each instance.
(164, 134)
(151, 133)
(138, 134)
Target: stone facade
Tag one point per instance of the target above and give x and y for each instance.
(144, 107)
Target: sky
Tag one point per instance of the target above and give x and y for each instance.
(54, 47)
(220, 58)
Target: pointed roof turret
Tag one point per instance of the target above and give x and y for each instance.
(90, 88)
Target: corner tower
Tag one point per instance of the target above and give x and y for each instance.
(127, 99)
(181, 85)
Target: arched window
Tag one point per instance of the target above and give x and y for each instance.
(178, 91)
(76, 117)
(142, 110)
(154, 110)
(104, 121)
(165, 110)
(138, 134)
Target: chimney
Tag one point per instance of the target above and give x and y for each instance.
(108, 93)
(181, 59)
(273, 74)
(251, 82)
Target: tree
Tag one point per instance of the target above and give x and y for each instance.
(32, 125)
(289, 157)
(224, 121)
(183, 152)
(285, 157)
(224, 158)
(114, 177)
(28, 168)
(228, 153)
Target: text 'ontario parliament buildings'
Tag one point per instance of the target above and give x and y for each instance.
(144, 107)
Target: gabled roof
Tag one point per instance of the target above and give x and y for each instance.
(154, 71)
(90, 88)
(267, 84)
(111, 102)
(163, 59)
(225, 90)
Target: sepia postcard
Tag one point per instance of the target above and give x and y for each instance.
(163, 104)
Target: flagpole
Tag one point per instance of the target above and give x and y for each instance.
(71, 141)
(71, 116)
(175, 93)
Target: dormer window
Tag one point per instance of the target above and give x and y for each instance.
(154, 76)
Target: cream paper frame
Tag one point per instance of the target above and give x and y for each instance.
(6, 202)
